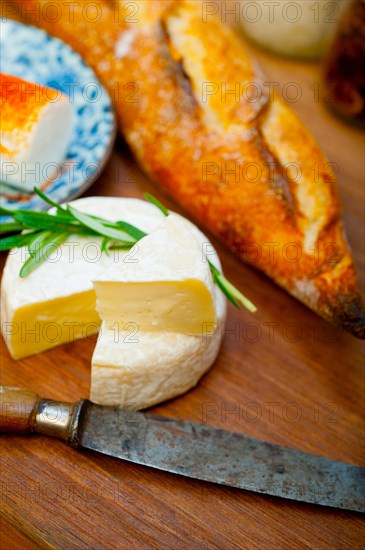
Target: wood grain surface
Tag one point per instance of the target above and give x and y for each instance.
(283, 375)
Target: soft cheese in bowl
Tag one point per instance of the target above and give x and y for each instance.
(153, 344)
(35, 131)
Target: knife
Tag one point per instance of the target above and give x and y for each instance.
(187, 448)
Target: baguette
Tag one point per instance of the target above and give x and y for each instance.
(244, 168)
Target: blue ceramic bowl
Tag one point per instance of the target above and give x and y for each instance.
(34, 55)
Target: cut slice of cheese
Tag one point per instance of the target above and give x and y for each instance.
(163, 284)
(137, 369)
(35, 130)
(38, 327)
(56, 303)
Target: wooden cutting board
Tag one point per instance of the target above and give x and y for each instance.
(283, 375)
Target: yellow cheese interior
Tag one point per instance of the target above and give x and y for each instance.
(44, 325)
(178, 306)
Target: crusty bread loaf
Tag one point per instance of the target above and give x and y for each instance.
(241, 163)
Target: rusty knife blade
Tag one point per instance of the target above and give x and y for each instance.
(216, 455)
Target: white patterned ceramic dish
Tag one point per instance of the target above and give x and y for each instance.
(33, 55)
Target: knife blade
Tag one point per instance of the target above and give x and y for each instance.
(189, 449)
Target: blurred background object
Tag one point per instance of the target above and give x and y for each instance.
(301, 29)
(344, 69)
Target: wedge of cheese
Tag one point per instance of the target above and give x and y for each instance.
(163, 284)
(56, 303)
(137, 369)
(35, 131)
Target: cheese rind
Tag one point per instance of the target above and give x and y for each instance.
(166, 284)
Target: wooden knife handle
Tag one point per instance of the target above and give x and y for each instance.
(23, 411)
(18, 409)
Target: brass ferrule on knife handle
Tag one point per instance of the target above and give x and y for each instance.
(22, 411)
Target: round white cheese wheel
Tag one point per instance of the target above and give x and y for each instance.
(129, 368)
(138, 369)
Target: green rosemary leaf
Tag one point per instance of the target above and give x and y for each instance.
(15, 241)
(223, 288)
(49, 201)
(104, 245)
(46, 221)
(10, 227)
(217, 280)
(213, 269)
(37, 240)
(157, 203)
(6, 211)
(49, 245)
(238, 296)
(115, 245)
(131, 230)
(98, 227)
(230, 291)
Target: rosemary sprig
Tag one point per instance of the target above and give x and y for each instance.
(157, 203)
(97, 227)
(41, 248)
(10, 227)
(232, 293)
(44, 232)
(15, 241)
